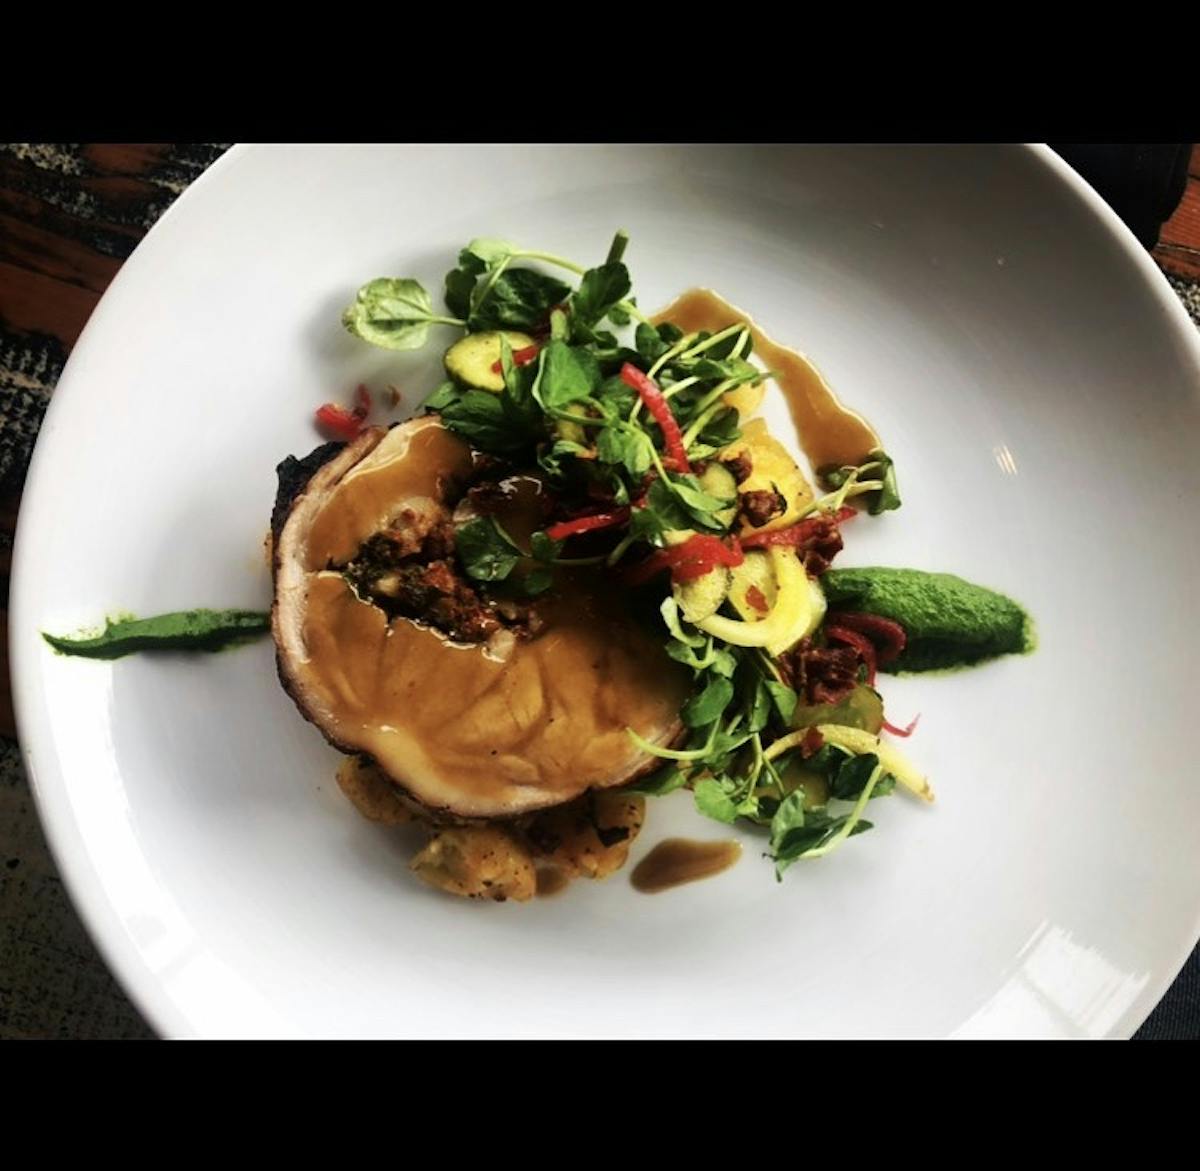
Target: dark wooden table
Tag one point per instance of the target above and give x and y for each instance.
(69, 216)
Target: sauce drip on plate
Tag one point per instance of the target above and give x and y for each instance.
(679, 860)
(828, 431)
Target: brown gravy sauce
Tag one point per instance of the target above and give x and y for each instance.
(679, 860)
(829, 432)
(549, 716)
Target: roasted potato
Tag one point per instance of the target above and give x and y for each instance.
(477, 862)
(590, 837)
(372, 794)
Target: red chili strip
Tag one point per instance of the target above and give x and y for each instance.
(698, 555)
(520, 357)
(587, 524)
(338, 423)
(656, 404)
(890, 635)
(901, 731)
(862, 644)
(795, 535)
(343, 422)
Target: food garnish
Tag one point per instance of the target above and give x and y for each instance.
(183, 630)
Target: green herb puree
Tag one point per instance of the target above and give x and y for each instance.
(184, 630)
(949, 622)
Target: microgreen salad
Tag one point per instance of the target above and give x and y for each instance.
(639, 433)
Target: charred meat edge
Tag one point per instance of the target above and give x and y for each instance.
(304, 485)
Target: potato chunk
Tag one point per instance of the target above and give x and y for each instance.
(590, 837)
(372, 794)
(477, 862)
(772, 467)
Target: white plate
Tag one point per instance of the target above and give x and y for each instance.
(1039, 387)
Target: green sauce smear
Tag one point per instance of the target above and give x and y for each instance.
(950, 623)
(183, 630)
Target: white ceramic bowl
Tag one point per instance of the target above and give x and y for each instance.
(1027, 366)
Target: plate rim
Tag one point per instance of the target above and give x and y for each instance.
(89, 901)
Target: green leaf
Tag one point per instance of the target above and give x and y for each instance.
(827, 760)
(665, 508)
(489, 251)
(851, 778)
(599, 290)
(392, 312)
(616, 395)
(480, 418)
(566, 374)
(485, 553)
(724, 662)
(887, 499)
(789, 816)
(519, 299)
(687, 488)
(713, 801)
(650, 344)
(447, 393)
(726, 346)
(625, 446)
(819, 830)
(784, 699)
(701, 506)
(722, 429)
(702, 709)
(686, 654)
(660, 782)
(879, 466)
(457, 291)
(555, 460)
(543, 548)
(758, 707)
(645, 525)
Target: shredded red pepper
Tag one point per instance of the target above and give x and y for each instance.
(862, 644)
(901, 731)
(812, 743)
(698, 555)
(520, 357)
(338, 423)
(755, 597)
(587, 524)
(890, 635)
(795, 535)
(657, 406)
(342, 422)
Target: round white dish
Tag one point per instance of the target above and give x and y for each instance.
(1039, 387)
